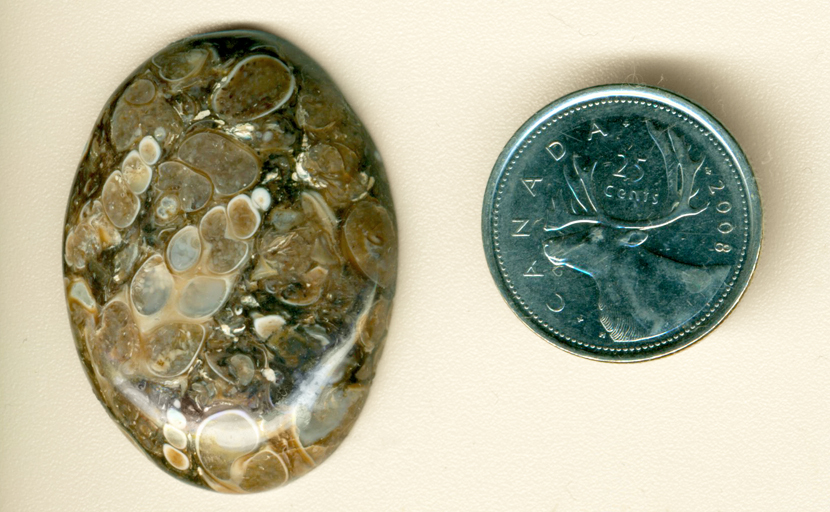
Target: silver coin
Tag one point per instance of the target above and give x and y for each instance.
(622, 223)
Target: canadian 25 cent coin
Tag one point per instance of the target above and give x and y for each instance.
(622, 223)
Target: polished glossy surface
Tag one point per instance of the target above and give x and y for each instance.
(230, 261)
(622, 223)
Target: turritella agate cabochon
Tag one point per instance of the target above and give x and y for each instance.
(230, 260)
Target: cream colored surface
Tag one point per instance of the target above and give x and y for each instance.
(470, 409)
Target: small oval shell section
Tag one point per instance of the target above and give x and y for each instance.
(214, 224)
(149, 150)
(259, 472)
(203, 296)
(120, 204)
(369, 240)
(151, 286)
(231, 167)
(131, 122)
(140, 92)
(192, 189)
(224, 437)
(118, 338)
(226, 255)
(176, 458)
(177, 66)
(184, 249)
(175, 436)
(171, 348)
(137, 174)
(244, 217)
(256, 86)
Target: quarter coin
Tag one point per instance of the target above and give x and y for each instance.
(622, 223)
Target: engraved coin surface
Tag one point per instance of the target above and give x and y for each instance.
(230, 261)
(622, 223)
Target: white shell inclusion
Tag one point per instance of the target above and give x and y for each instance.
(261, 198)
(80, 292)
(176, 418)
(265, 326)
(184, 249)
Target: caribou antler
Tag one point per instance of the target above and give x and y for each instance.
(681, 172)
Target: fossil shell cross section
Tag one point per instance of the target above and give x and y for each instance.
(230, 260)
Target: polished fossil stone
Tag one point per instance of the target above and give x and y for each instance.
(230, 261)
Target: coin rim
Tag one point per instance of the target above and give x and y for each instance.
(663, 97)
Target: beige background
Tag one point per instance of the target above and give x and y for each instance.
(470, 410)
